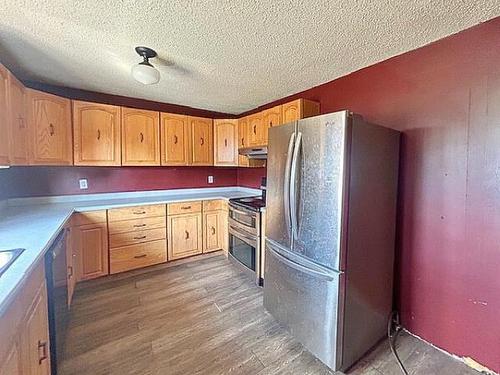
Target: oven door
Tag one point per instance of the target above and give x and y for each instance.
(244, 220)
(244, 251)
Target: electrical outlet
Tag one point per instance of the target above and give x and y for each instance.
(83, 183)
(210, 179)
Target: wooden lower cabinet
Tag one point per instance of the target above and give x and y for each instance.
(24, 329)
(137, 256)
(90, 242)
(184, 235)
(214, 230)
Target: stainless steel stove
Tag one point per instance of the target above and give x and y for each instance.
(244, 234)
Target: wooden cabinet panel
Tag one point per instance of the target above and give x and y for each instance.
(136, 212)
(175, 145)
(125, 226)
(184, 235)
(214, 230)
(19, 135)
(243, 132)
(299, 109)
(214, 205)
(201, 130)
(130, 238)
(97, 134)
(184, 207)
(140, 137)
(49, 121)
(137, 256)
(35, 351)
(257, 130)
(12, 364)
(272, 117)
(91, 247)
(4, 117)
(226, 142)
(88, 217)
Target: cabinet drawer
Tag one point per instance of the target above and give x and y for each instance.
(137, 224)
(136, 212)
(90, 217)
(129, 238)
(184, 208)
(214, 205)
(137, 256)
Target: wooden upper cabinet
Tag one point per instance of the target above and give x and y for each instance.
(175, 145)
(225, 142)
(201, 130)
(272, 116)
(4, 117)
(140, 137)
(49, 121)
(257, 130)
(299, 109)
(243, 132)
(97, 135)
(19, 136)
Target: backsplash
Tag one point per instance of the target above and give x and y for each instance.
(250, 177)
(17, 182)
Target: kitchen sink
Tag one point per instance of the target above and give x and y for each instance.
(7, 257)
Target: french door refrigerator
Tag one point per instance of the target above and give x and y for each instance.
(330, 233)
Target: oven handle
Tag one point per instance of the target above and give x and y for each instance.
(243, 213)
(247, 239)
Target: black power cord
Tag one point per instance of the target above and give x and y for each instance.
(393, 330)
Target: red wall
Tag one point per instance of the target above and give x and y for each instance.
(250, 177)
(42, 181)
(445, 98)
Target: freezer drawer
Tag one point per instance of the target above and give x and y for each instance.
(306, 302)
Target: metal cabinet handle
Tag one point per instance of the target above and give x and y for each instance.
(255, 129)
(98, 134)
(51, 129)
(187, 234)
(142, 137)
(202, 141)
(243, 141)
(70, 271)
(186, 207)
(270, 124)
(139, 212)
(43, 346)
(139, 238)
(139, 225)
(175, 140)
(213, 230)
(141, 256)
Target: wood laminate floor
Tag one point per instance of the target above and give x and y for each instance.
(203, 317)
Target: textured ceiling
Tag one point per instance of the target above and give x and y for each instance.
(222, 55)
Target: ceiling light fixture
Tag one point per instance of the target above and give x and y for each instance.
(144, 72)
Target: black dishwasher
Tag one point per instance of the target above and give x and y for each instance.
(57, 293)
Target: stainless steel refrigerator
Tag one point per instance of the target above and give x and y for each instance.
(330, 233)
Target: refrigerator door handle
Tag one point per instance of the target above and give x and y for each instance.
(299, 267)
(293, 185)
(286, 183)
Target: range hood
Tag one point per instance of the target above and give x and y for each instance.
(254, 152)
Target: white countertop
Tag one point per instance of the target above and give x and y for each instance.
(33, 223)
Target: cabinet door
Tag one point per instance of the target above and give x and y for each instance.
(35, 349)
(140, 137)
(225, 142)
(257, 131)
(174, 139)
(201, 141)
(49, 121)
(299, 109)
(19, 136)
(91, 248)
(243, 132)
(213, 231)
(272, 117)
(4, 117)
(97, 136)
(184, 236)
(12, 365)
(70, 264)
